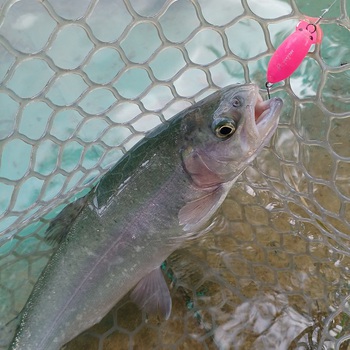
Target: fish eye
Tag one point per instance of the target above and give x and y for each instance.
(236, 102)
(224, 128)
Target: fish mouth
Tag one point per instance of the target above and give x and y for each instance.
(261, 108)
(261, 121)
(266, 114)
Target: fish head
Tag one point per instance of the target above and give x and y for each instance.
(225, 132)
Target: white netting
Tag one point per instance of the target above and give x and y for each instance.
(83, 80)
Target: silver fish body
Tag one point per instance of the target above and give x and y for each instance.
(164, 191)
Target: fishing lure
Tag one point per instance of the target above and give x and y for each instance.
(289, 55)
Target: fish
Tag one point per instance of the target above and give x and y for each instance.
(163, 192)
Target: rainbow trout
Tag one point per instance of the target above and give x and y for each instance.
(161, 193)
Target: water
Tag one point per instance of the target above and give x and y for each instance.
(79, 87)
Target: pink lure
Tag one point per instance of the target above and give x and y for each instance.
(292, 51)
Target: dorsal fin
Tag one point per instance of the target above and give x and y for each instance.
(60, 225)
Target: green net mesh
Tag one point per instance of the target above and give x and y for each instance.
(82, 81)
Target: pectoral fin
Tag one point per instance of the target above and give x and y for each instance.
(152, 294)
(59, 227)
(195, 213)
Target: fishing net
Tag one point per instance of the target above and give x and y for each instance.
(82, 81)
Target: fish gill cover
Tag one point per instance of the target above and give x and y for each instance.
(82, 81)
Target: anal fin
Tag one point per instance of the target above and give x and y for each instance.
(152, 294)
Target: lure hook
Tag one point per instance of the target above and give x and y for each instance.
(268, 86)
